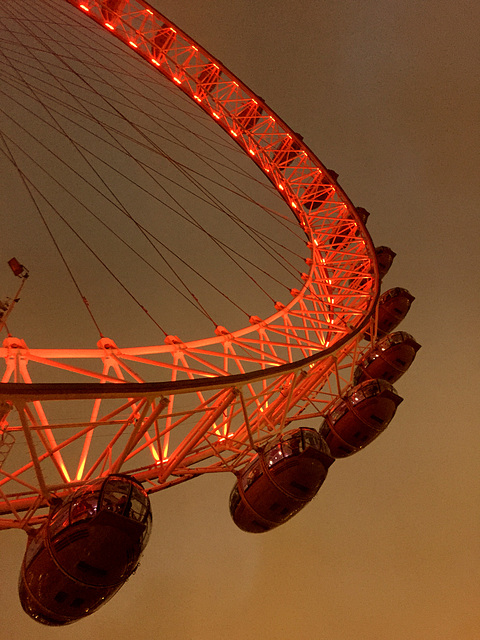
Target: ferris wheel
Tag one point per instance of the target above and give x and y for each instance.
(274, 400)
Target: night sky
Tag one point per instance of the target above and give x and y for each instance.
(387, 95)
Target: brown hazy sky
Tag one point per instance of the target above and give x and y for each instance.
(387, 94)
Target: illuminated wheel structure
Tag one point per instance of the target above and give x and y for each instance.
(180, 409)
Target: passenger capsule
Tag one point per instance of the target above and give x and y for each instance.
(359, 417)
(385, 257)
(280, 480)
(208, 78)
(388, 359)
(162, 42)
(286, 152)
(393, 306)
(363, 214)
(249, 115)
(317, 193)
(90, 545)
(345, 230)
(333, 174)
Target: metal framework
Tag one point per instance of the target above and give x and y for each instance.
(220, 397)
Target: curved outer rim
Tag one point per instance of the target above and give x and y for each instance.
(125, 16)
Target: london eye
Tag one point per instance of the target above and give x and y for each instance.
(231, 290)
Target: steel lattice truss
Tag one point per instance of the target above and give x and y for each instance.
(222, 396)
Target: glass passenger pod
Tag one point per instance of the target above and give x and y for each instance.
(112, 10)
(90, 545)
(393, 306)
(385, 257)
(363, 214)
(345, 231)
(317, 193)
(249, 115)
(280, 480)
(207, 79)
(286, 151)
(358, 418)
(162, 42)
(388, 359)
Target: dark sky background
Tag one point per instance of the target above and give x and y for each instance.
(387, 94)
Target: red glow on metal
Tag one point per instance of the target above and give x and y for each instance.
(303, 328)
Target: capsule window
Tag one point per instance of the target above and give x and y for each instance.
(84, 507)
(293, 444)
(339, 412)
(325, 429)
(115, 495)
(34, 546)
(310, 439)
(60, 520)
(274, 455)
(253, 475)
(147, 531)
(138, 504)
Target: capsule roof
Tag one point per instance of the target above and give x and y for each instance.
(359, 417)
(388, 359)
(393, 306)
(118, 493)
(385, 257)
